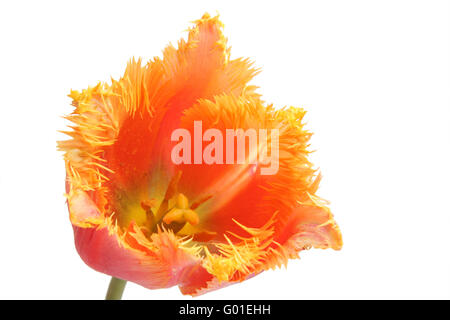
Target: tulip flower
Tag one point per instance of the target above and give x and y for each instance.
(203, 220)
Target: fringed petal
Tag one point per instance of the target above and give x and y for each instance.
(96, 121)
(241, 191)
(311, 225)
(160, 262)
(82, 209)
(203, 287)
(155, 96)
(239, 259)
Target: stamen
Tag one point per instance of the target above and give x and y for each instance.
(172, 190)
(180, 213)
(147, 205)
(174, 212)
(195, 205)
(181, 201)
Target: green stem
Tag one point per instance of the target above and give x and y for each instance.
(115, 289)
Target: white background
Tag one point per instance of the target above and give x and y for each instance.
(374, 76)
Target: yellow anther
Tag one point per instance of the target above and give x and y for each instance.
(181, 216)
(174, 215)
(180, 212)
(191, 216)
(182, 201)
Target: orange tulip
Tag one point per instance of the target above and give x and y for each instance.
(140, 217)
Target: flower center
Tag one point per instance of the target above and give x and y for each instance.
(180, 212)
(174, 212)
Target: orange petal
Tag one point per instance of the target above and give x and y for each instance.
(155, 97)
(160, 264)
(311, 225)
(83, 211)
(240, 191)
